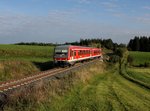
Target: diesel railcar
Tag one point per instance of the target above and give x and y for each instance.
(69, 54)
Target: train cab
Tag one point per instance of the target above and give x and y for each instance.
(61, 54)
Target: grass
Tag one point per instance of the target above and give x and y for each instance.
(95, 88)
(16, 69)
(27, 53)
(105, 92)
(42, 96)
(140, 58)
(17, 61)
(108, 91)
(139, 75)
(142, 74)
(31, 59)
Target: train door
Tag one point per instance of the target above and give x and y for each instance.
(74, 54)
(90, 52)
(71, 54)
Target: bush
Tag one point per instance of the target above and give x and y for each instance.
(147, 64)
(119, 52)
(130, 59)
(114, 58)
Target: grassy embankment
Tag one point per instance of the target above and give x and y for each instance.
(43, 96)
(101, 87)
(108, 91)
(17, 61)
(96, 88)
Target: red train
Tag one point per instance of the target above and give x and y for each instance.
(69, 55)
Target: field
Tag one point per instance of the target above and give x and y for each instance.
(27, 53)
(106, 92)
(112, 89)
(100, 87)
(97, 88)
(140, 58)
(18, 61)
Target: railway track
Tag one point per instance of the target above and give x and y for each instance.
(13, 84)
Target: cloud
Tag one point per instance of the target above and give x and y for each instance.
(109, 5)
(82, 1)
(119, 14)
(144, 19)
(146, 7)
(57, 26)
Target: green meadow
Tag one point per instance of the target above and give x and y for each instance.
(140, 58)
(107, 91)
(28, 53)
(17, 61)
(99, 87)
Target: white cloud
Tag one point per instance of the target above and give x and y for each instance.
(144, 19)
(146, 7)
(57, 26)
(109, 4)
(82, 1)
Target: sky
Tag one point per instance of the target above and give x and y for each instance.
(59, 21)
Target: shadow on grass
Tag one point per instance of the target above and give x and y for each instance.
(43, 66)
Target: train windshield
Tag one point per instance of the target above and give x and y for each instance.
(61, 51)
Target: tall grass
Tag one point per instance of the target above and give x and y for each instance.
(95, 88)
(105, 91)
(44, 97)
(16, 69)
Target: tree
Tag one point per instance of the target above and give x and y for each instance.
(139, 44)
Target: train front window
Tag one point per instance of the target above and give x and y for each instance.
(61, 51)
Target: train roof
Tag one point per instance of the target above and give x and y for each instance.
(73, 46)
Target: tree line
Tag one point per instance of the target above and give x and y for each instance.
(35, 44)
(139, 44)
(107, 43)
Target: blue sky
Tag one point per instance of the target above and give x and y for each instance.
(69, 20)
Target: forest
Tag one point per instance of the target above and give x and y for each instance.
(139, 44)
